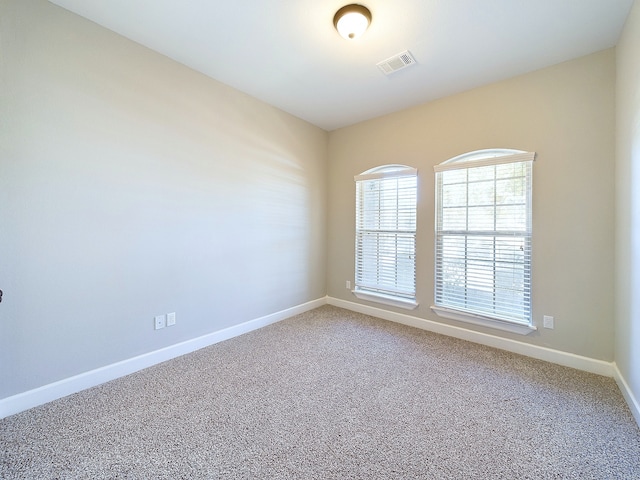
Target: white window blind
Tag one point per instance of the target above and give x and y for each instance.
(386, 231)
(483, 235)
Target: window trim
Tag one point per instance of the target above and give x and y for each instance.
(475, 159)
(400, 302)
(475, 319)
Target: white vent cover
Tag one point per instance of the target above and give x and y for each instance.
(397, 62)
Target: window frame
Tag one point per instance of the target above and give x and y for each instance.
(383, 290)
(447, 305)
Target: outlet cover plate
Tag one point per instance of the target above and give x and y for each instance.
(171, 319)
(159, 322)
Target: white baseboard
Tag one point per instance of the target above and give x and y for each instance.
(542, 353)
(632, 401)
(53, 391)
(47, 393)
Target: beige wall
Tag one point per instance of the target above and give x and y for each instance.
(627, 345)
(564, 113)
(132, 186)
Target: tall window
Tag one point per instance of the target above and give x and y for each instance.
(386, 235)
(483, 238)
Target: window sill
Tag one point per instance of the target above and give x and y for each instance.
(385, 299)
(519, 328)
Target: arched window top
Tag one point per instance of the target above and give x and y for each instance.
(490, 156)
(396, 167)
(482, 154)
(391, 170)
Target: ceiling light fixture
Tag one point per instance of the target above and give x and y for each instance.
(351, 21)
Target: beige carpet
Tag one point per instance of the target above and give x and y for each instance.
(332, 394)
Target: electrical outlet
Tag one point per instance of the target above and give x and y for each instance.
(160, 322)
(348, 285)
(547, 321)
(171, 319)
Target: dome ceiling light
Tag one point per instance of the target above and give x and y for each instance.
(351, 21)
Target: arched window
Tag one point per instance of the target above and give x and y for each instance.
(386, 235)
(483, 239)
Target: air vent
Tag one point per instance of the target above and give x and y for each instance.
(397, 62)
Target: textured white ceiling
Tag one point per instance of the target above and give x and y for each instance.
(287, 53)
